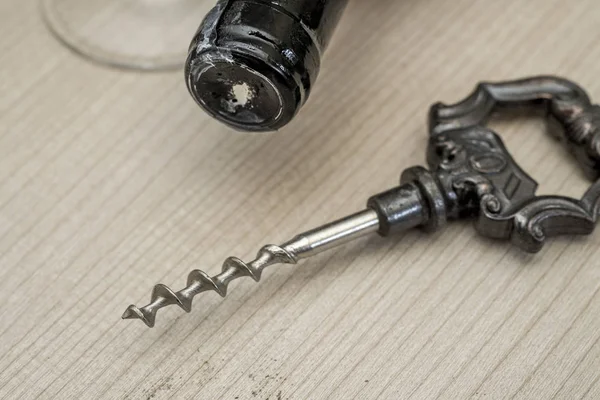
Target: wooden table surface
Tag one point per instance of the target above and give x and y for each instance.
(112, 181)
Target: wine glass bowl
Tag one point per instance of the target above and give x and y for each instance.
(148, 35)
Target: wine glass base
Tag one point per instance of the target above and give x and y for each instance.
(147, 35)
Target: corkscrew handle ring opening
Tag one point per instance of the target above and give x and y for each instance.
(573, 118)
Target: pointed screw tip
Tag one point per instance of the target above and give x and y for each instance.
(132, 312)
(129, 314)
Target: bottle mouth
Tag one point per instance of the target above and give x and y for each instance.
(243, 91)
(252, 65)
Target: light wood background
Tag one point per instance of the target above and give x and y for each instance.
(112, 181)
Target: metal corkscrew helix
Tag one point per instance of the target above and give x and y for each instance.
(471, 175)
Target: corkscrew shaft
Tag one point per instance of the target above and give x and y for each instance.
(332, 235)
(301, 246)
(398, 209)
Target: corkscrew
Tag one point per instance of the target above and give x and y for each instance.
(470, 175)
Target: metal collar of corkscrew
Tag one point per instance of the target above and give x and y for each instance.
(473, 175)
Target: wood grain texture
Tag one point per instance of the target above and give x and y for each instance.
(112, 181)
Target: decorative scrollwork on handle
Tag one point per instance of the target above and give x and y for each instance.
(567, 105)
(485, 179)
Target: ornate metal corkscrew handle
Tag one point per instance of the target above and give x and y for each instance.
(471, 175)
(481, 168)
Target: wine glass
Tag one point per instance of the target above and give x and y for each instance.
(146, 35)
